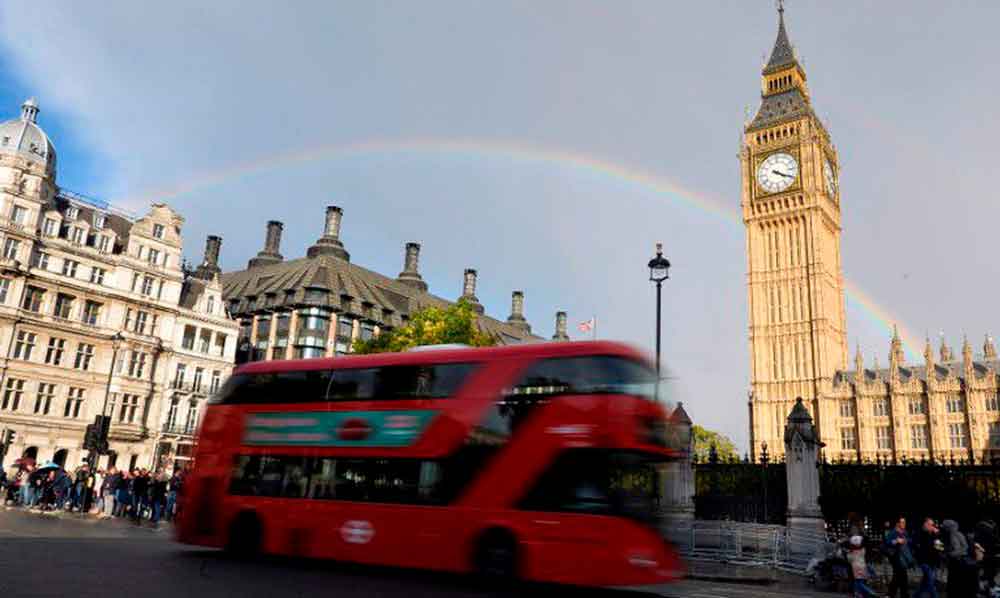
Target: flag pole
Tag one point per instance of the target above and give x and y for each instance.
(594, 330)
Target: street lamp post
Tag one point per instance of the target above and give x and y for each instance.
(658, 267)
(116, 344)
(93, 453)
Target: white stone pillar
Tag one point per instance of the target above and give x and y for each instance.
(677, 479)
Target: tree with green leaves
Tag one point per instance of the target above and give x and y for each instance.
(457, 323)
(704, 440)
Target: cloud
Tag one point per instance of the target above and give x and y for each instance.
(157, 96)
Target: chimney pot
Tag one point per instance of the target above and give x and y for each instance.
(469, 290)
(411, 262)
(516, 317)
(560, 334)
(272, 245)
(210, 264)
(329, 243)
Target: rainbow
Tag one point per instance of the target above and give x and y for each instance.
(519, 152)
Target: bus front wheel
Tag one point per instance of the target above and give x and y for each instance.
(496, 556)
(245, 535)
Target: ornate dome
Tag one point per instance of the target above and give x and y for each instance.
(23, 137)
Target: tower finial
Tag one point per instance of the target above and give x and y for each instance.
(781, 9)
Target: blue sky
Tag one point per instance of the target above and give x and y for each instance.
(143, 98)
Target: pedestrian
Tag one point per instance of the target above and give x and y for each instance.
(62, 486)
(140, 485)
(107, 490)
(80, 486)
(897, 547)
(928, 547)
(859, 568)
(986, 536)
(956, 555)
(158, 496)
(122, 497)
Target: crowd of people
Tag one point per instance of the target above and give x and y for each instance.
(970, 559)
(139, 495)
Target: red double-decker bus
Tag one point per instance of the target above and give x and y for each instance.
(537, 462)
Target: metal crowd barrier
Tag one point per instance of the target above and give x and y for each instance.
(746, 544)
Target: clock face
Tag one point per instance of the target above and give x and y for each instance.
(777, 172)
(829, 178)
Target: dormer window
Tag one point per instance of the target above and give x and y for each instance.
(103, 243)
(72, 212)
(50, 228)
(100, 220)
(76, 235)
(6, 140)
(158, 231)
(210, 304)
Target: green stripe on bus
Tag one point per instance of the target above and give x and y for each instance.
(339, 428)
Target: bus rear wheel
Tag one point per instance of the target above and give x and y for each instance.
(496, 556)
(245, 536)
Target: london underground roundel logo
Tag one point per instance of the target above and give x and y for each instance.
(355, 428)
(357, 531)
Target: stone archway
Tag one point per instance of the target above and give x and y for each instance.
(30, 453)
(60, 457)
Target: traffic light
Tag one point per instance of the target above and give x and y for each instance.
(103, 426)
(90, 438)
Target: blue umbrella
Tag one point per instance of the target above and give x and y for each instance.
(49, 465)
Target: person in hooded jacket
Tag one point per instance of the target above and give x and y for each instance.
(897, 547)
(956, 557)
(928, 549)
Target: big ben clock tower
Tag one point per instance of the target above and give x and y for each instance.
(791, 209)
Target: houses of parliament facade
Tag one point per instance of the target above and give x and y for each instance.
(943, 408)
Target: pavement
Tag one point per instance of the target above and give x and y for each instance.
(49, 556)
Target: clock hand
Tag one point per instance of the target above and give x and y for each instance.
(787, 176)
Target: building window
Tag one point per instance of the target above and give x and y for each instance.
(204, 341)
(918, 407)
(158, 231)
(172, 413)
(76, 235)
(199, 373)
(956, 404)
(103, 243)
(84, 355)
(54, 353)
(97, 275)
(91, 311)
(69, 268)
(192, 417)
(992, 402)
(153, 256)
(263, 335)
(846, 408)
(72, 212)
(100, 220)
(33, 299)
(883, 437)
(179, 375)
(959, 435)
(74, 402)
(130, 404)
(49, 228)
(995, 435)
(190, 332)
(880, 408)
(137, 364)
(4, 289)
(64, 306)
(12, 394)
(918, 436)
(141, 319)
(848, 440)
(24, 345)
(19, 215)
(147, 286)
(10, 249)
(219, 346)
(210, 304)
(43, 401)
(216, 381)
(367, 331)
(345, 328)
(40, 260)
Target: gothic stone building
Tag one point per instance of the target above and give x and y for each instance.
(97, 315)
(791, 208)
(318, 305)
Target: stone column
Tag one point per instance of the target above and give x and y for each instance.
(801, 455)
(677, 478)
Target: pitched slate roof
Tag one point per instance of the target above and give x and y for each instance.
(783, 54)
(348, 288)
(780, 107)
